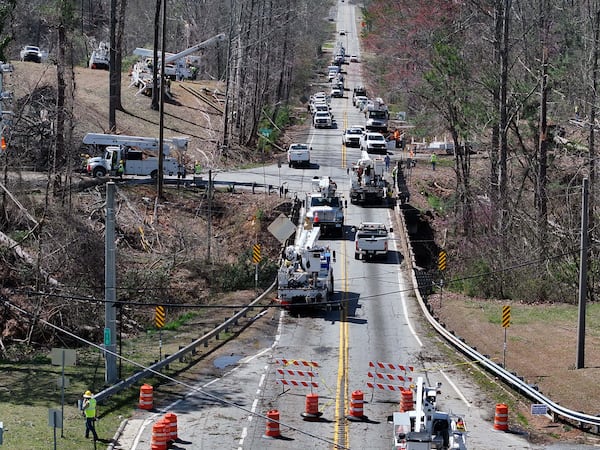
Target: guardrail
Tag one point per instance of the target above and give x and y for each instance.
(155, 368)
(530, 391)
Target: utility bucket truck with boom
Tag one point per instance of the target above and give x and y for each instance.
(138, 154)
(141, 75)
(305, 277)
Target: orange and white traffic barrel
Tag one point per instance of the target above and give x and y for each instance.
(146, 397)
(272, 430)
(501, 417)
(356, 411)
(312, 407)
(159, 436)
(171, 420)
(406, 400)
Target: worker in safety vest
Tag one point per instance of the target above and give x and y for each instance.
(197, 168)
(121, 169)
(89, 412)
(433, 160)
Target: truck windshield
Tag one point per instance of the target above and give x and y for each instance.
(377, 114)
(319, 201)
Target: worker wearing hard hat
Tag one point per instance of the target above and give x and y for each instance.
(89, 412)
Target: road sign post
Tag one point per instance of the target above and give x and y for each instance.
(505, 325)
(63, 357)
(160, 317)
(256, 258)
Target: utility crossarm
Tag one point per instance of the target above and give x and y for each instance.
(144, 143)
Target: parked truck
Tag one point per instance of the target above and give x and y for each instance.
(371, 241)
(139, 155)
(368, 185)
(100, 57)
(305, 277)
(377, 115)
(324, 207)
(299, 155)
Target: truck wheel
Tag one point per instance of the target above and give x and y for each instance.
(356, 256)
(99, 172)
(154, 174)
(289, 164)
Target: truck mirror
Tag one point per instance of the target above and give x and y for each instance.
(334, 256)
(391, 230)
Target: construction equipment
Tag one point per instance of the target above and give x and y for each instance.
(427, 428)
(368, 185)
(305, 277)
(377, 115)
(100, 58)
(324, 208)
(138, 155)
(175, 67)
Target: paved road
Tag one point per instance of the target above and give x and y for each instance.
(380, 322)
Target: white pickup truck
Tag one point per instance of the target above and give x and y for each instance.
(299, 155)
(371, 240)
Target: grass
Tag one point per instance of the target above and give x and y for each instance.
(28, 393)
(29, 390)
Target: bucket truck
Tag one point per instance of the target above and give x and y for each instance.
(427, 428)
(141, 74)
(139, 155)
(324, 207)
(367, 182)
(305, 277)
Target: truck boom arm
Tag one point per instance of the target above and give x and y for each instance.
(145, 143)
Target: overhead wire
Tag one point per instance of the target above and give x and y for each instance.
(196, 389)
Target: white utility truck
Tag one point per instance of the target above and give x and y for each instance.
(371, 241)
(299, 155)
(377, 115)
(100, 57)
(427, 428)
(138, 154)
(305, 277)
(141, 75)
(324, 208)
(368, 185)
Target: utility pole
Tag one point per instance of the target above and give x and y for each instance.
(209, 221)
(110, 292)
(112, 74)
(161, 127)
(583, 258)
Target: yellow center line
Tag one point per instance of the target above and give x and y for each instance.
(345, 122)
(341, 393)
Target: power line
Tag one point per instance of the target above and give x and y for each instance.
(196, 389)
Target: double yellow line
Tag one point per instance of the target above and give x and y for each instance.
(341, 437)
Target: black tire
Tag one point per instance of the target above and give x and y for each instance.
(356, 256)
(99, 172)
(154, 174)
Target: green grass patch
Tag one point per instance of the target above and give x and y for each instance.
(180, 321)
